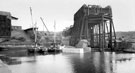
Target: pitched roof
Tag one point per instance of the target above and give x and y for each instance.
(8, 14)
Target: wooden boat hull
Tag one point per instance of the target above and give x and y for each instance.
(31, 50)
(53, 50)
(76, 50)
(129, 51)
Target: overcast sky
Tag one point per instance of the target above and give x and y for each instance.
(62, 12)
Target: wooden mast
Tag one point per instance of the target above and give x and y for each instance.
(33, 26)
(54, 32)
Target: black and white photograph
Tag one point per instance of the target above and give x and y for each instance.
(67, 36)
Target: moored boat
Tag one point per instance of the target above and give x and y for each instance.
(129, 51)
(54, 48)
(42, 50)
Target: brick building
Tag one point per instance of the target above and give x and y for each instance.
(5, 24)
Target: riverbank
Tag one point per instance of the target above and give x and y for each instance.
(14, 51)
(4, 68)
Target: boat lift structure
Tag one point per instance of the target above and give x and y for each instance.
(94, 23)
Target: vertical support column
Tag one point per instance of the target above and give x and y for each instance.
(104, 34)
(110, 40)
(87, 29)
(114, 36)
(97, 30)
(102, 38)
(99, 36)
(82, 27)
(107, 30)
(92, 36)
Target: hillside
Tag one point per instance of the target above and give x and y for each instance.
(18, 37)
(129, 36)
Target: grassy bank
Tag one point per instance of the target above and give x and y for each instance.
(14, 51)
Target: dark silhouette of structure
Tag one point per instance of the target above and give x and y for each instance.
(5, 24)
(94, 23)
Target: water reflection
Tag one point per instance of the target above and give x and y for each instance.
(91, 62)
(44, 64)
(94, 62)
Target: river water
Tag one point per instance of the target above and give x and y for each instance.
(90, 62)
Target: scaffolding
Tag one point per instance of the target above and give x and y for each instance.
(94, 23)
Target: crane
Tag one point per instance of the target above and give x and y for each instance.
(46, 29)
(44, 25)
